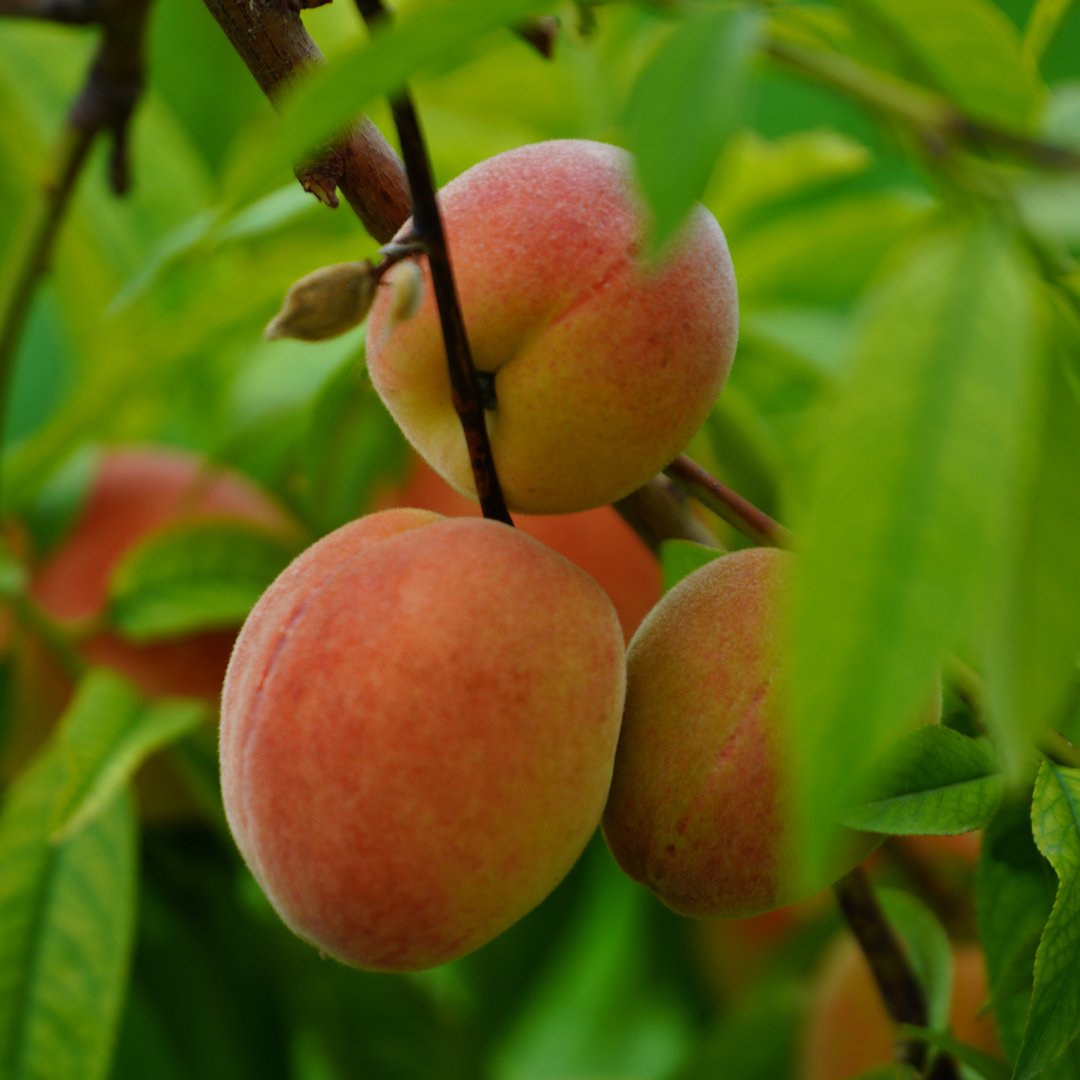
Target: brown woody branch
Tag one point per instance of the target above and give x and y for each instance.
(901, 991)
(73, 12)
(933, 117)
(271, 40)
(752, 522)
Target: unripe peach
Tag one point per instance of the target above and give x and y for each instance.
(598, 541)
(602, 368)
(418, 728)
(848, 1032)
(697, 809)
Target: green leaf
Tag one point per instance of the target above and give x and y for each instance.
(928, 950)
(895, 1071)
(1054, 1017)
(680, 558)
(13, 575)
(759, 172)
(890, 578)
(932, 782)
(193, 576)
(57, 502)
(351, 441)
(994, 81)
(1014, 895)
(1034, 637)
(980, 1064)
(683, 108)
(327, 100)
(757, 1039)
(781, 261)
(595, 1010)
(66, 910)
(1043, 23)
(113, 735)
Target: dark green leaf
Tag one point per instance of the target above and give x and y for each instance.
(932, 782)
(595, 1010)
(685, 105)
(1054, 1016)
(980, 1064)
(1014, 895)
(757, 1040)
(193, 576)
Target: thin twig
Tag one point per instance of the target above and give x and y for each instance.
(35, 263)
(658, 511)
(901, 991)
(71, 12)
(753, 523)
(105, 104)
(271, 40)
(541, 32)
(427, 229)
(935, 119)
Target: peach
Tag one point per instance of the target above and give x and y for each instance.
(848, 1033)
(418, 727)
(136, 491)
(598, 541)
(696, 810)
(600, 368)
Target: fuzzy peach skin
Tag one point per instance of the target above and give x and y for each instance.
(696, 810)
(136, 492)
(418, 728)
(603, 369)
(847, 1031)
(598, 541)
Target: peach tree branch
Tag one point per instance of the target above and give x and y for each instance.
(933, 118)
(901, 991)
(752, 522)
(271, 40)
(72, 12)
(104, 105)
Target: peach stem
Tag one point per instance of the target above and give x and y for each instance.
(427, 228)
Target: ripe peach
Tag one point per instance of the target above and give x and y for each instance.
(418, 728)
(848, 1032)
(602, 368)
(696, 811)
(598, 541)
(136, 491)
